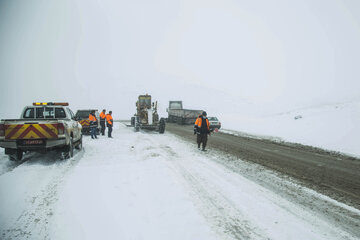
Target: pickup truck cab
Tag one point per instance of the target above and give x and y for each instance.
(42, 127)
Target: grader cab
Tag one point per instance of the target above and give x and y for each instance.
(146, 116)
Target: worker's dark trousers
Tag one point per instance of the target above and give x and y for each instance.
(109, 130)
(102, 124)
(93, 132)
(202, 138)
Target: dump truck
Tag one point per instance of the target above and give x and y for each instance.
(42, 127)
(146, 116)
(176, 113)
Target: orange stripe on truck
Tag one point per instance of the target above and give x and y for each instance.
(31, 131)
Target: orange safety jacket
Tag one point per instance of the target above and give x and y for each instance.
(198, 122)
(109, 119)
(92, 118)
(102, 116)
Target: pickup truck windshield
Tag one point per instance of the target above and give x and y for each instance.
(44, 112)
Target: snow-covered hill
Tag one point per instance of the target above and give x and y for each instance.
(334, 127)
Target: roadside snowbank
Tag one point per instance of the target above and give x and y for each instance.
(332, 127)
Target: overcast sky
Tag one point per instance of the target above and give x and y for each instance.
(222, 56)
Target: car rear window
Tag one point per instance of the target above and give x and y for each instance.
(85, 114)
(82, 114)
(212, 119)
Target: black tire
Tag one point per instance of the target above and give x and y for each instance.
(162, 126)
(17, 156)
(137, 124)
(79, 144)
(69, 150)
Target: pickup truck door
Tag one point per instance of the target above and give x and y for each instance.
(74, 125)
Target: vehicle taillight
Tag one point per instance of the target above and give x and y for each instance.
(61, 129)
(2, 130)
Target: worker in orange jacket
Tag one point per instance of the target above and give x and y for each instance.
(202, 129)
(109, 123)
(93, 124)
(102, 121)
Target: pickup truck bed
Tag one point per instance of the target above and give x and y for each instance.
(32, 134)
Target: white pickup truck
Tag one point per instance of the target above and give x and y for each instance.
(42, 127)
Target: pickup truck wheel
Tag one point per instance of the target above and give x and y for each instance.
(69, 150)
(79, 144)
(17, 156)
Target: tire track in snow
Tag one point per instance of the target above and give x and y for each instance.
(217, 209)
(11, 165)
(217, 206)
(33, 222)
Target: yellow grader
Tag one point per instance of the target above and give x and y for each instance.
(146, 116)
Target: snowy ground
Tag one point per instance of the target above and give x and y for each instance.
(152, 186)
(334, 127)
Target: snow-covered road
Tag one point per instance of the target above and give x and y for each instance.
(151, 186)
